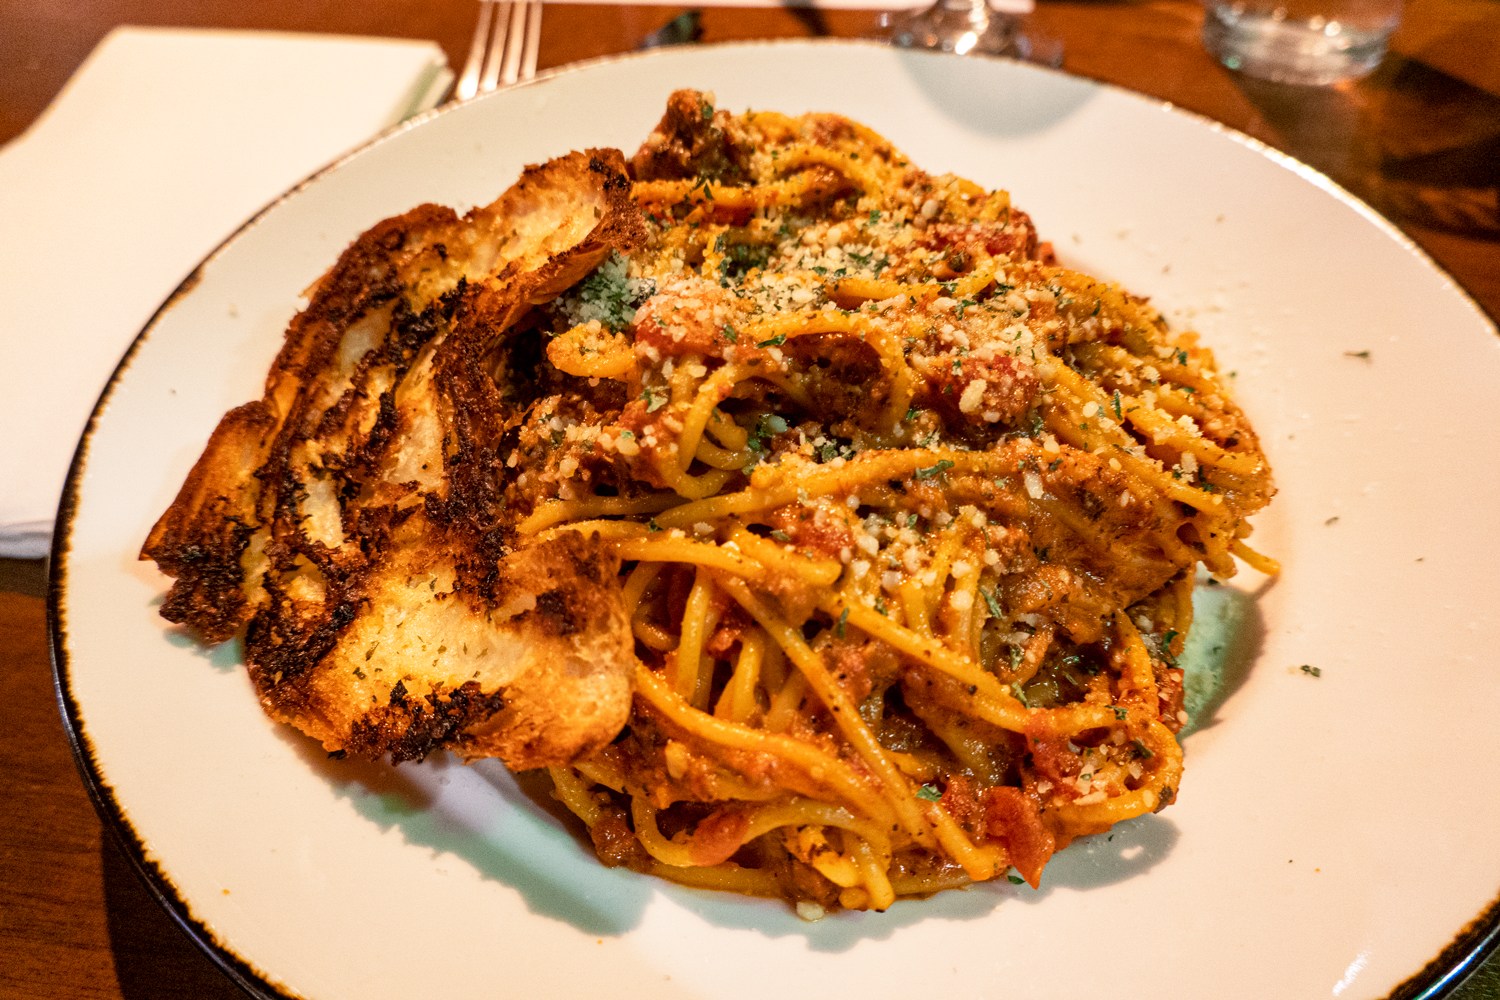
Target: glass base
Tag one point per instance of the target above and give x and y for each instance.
(1309, 51)
(971, 28)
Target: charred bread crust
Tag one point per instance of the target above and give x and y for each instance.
(346, 521)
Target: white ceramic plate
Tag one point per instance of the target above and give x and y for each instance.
(1335, 833)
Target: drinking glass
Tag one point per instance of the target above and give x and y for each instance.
(974, 27)
(1300, 41)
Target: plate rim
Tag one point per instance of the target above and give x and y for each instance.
(1469, 947)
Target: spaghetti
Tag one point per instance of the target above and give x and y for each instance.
(817, 533)
(909, 517)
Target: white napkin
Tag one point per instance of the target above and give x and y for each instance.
(160, 145)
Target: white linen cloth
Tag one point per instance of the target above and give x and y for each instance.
(162, 143)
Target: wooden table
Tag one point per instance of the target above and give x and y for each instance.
(1420, 139)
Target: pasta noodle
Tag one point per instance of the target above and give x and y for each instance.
(909, 517)
(818, 533)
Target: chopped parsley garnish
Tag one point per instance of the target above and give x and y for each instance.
(929, 793)
(1166, 647)
(775, 341)
(766, 426)
(655, 399)
(942, 466)
(742, 258)
(838, 628)
(609, 296)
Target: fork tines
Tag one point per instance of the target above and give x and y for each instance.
(504, 48)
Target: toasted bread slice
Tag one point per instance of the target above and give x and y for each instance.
(346, 519)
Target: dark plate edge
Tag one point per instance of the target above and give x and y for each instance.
(1469, 948)
(113, 817)
(1455, 963)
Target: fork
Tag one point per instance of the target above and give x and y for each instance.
(504, 48)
